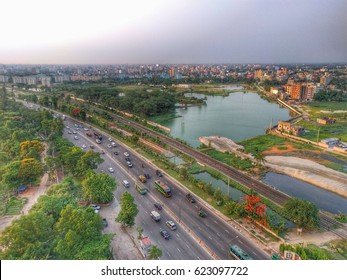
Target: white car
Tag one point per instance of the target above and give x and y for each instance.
(76, 138)
(111, 170)
(109, 146)
(74, 132)
(84, 146)
(113, 144)
(126, 154)
(110, 139)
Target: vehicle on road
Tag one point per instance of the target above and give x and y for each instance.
(141, 189)
(158, 206)
(104, 222)
(158, 173)
(142, 179)
(76, 137)
(190, 198)
(74, 132)
(164, 234)
(84, 146)
(109, 146)
(110, 169)
(129, 164)
(114, 144)
(69, 132)
(162, 188)
(98, 141)
(171, 225)
(126, 184)
(116, 153)
(155, 216)
(239, 253)
(92, 147)
(89, 134)
(110, 139)
(126, 154)
(102, 152)
(147, 176)
(127, 159)
(201, 213)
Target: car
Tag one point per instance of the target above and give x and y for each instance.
(98, 141)
(190, 198)
(69, 132)
(129, 164)
(92, 147)
(165, 234)
(147, 176)
(158, 206)
(126, 184)
(171, 225)
(86, 129)
(127, 159)
(126, 154)
(114, 144)
(95, 206)
(76, 137)
(102, 152)
(110, 139)
(68, 127)
(74, 132)
(111, 170)
(116, 153)
(158, 173)
(142, 179)
(109, 146)
(84, 146)
(104, 222)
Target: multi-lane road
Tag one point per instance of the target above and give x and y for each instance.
(195, 237)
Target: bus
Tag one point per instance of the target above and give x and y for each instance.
(140, 189)
(162, 188)
(239, 253)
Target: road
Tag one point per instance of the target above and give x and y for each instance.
(194, 235)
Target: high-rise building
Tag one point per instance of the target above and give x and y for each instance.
(172, 72)
(258, 74)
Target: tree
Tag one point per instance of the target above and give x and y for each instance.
(31, 149)
(29, 237)
(30, 170)
(90, 160)
(303, 213)
(183, 173)
(98, 187)
(128, 210)
(218, 196)
(52, 164)
(140, 232)
(259, 158)
(155, 253)
(253, 206)
(9, 176)
(76, 228)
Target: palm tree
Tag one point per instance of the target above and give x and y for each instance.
(155, 253)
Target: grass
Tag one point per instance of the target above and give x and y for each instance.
(262, 143)
(230, 159)
(15, 205)
(336, 130)
(337, 249)
(282, 148)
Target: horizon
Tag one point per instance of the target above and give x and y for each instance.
(174, 32)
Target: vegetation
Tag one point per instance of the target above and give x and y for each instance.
(128, 210)
(330, 95)
(306, 253)
(155, 253)
(303, 213)
(261, 143)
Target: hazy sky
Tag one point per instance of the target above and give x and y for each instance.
(173, 31)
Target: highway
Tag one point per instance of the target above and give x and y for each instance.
(195, 236)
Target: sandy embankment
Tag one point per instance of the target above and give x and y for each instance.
(223, 145)
(309, 171)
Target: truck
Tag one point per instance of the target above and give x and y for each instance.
(155, 216)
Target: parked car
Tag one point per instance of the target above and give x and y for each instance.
(165, 234)
(111, 170)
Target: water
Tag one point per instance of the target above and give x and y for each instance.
(323, 199)
(238, 116)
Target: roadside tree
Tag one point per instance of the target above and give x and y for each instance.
(128, 210)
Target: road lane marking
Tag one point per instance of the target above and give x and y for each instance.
(178, 249)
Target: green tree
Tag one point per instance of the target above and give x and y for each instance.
(140, 232)
(303, 213)
(218, 196)
(98, 187)
(128, 210)
(30, 170)
(90, 160)
(75, 228)
(155, 253)
(29, 237)
(183, 173)
(10, 179)
(52, 164)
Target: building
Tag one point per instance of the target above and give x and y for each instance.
(46, 81)
(289, 128)
(4, 79)
(19, 80)
(326, 120)
(274, 90)
(296, 91)
(258, 74)
(330, 141)
(31, 80)
(172, 72)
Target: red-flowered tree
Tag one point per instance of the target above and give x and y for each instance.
(253, 206)
(76, 111)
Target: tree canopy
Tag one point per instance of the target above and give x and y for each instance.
(128, 210)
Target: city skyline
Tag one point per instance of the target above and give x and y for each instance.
(174, 32)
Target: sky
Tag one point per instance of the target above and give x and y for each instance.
(172, 31)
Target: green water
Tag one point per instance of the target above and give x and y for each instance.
(238, 116)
